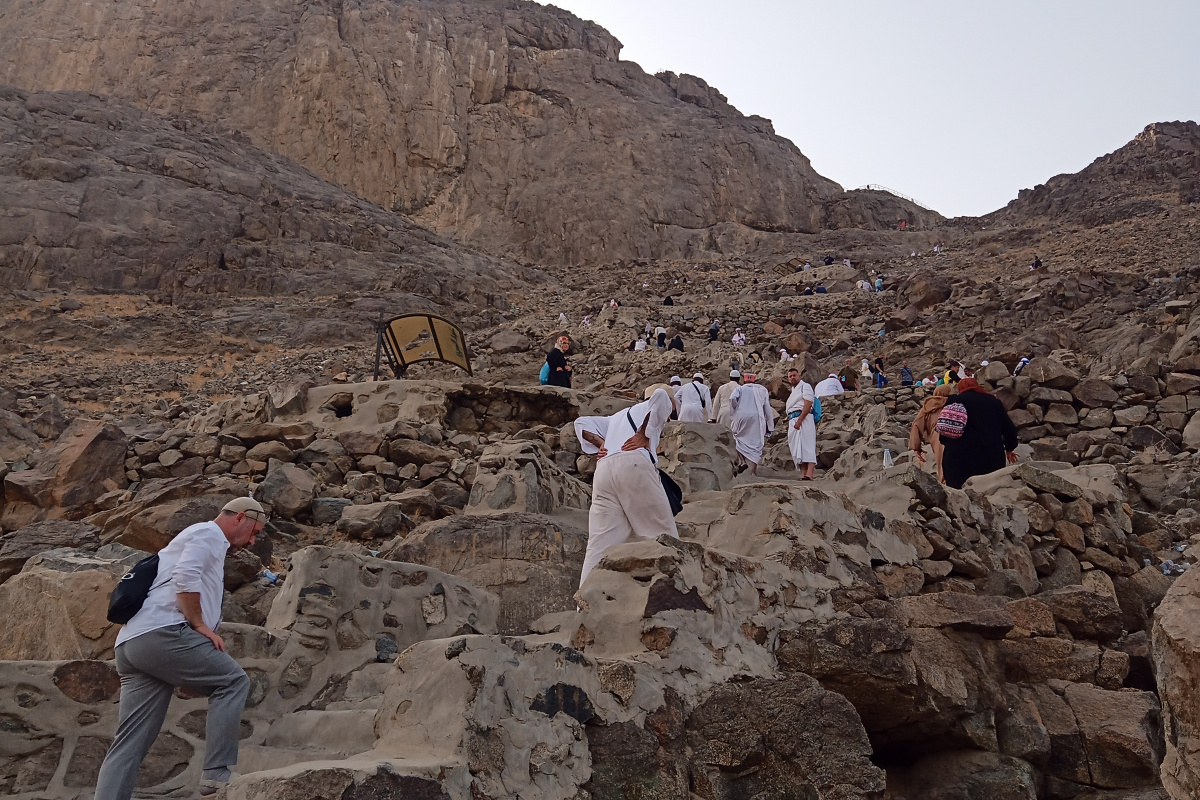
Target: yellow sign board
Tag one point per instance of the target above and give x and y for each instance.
(426, 337)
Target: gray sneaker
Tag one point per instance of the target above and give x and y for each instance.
(210, 786)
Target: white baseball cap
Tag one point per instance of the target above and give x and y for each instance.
(676, 379)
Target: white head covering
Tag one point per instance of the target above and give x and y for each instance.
(699, 375)
(676, 379)
(733, 373)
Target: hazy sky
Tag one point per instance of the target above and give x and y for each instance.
(957, 104)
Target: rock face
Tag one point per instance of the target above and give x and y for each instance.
(530, 562)
(514, 128)
(86, 461)
(1177, 665)
(184, 210)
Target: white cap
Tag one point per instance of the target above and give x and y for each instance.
(676, 379)
(983, 363)
(833, 375)
(733, 373)
(699, 375)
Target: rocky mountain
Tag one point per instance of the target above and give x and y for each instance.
(190, 259)
(509, 126)
(1156, 172)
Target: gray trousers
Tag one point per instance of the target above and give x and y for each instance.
(151, 666)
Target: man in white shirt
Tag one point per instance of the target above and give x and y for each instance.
(830, 386)
(802, 425)
(719, 410)
(751, 419)
(739, 338)
(693, 400)
(172, 642)
(628, 501)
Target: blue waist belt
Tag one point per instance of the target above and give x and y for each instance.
(794, 414)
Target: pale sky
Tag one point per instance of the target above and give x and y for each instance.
(957, 103)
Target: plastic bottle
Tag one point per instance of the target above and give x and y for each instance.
(887, 458)
(270, 576)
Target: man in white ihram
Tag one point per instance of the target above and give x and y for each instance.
(172, 642)
(693, 400)
(830, 386)
(719, 410)
(802, 425)
(751, 419)
(628, 501)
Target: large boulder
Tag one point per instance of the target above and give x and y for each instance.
(1050, 372)
(288, 491)
(698, 455)
(87, 461)
(1121, 732)
(1176, 650)
(53, 614)
(1094, 393)
(519, 476)
(785, 737)
(22, 544)
(374, 521)
(353, 601)
(17, 439)
(531, 562)
(926, 290)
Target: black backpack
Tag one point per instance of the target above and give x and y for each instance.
(131, 591)
(672, 489)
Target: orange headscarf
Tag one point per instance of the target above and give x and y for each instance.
(971, 385)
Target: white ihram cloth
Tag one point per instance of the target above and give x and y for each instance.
(718, 410)
(830, 386)
(194, 561)
(693, 401)
(752, 418)
(628, 501)
(803, 442)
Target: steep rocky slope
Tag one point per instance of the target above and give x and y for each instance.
(510, 126)
(1156, 172)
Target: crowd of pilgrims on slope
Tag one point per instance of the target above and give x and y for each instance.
(967, 429)
(628, 503)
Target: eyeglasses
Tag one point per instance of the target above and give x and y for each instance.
(257, 516)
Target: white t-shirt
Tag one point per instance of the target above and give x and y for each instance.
(830, 386)
(194, 561)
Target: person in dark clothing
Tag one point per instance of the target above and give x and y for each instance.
(828, 260)
(667, 301)
(906, 376)
(676, 343)
(849, 377)
(821, 289)
(807, 291)
(988, 439)
(877, 370)
(714, 330)
(560, 370)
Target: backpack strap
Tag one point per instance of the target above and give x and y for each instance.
(700, 394)
(635, 427)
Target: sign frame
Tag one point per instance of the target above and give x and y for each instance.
(401, 359)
